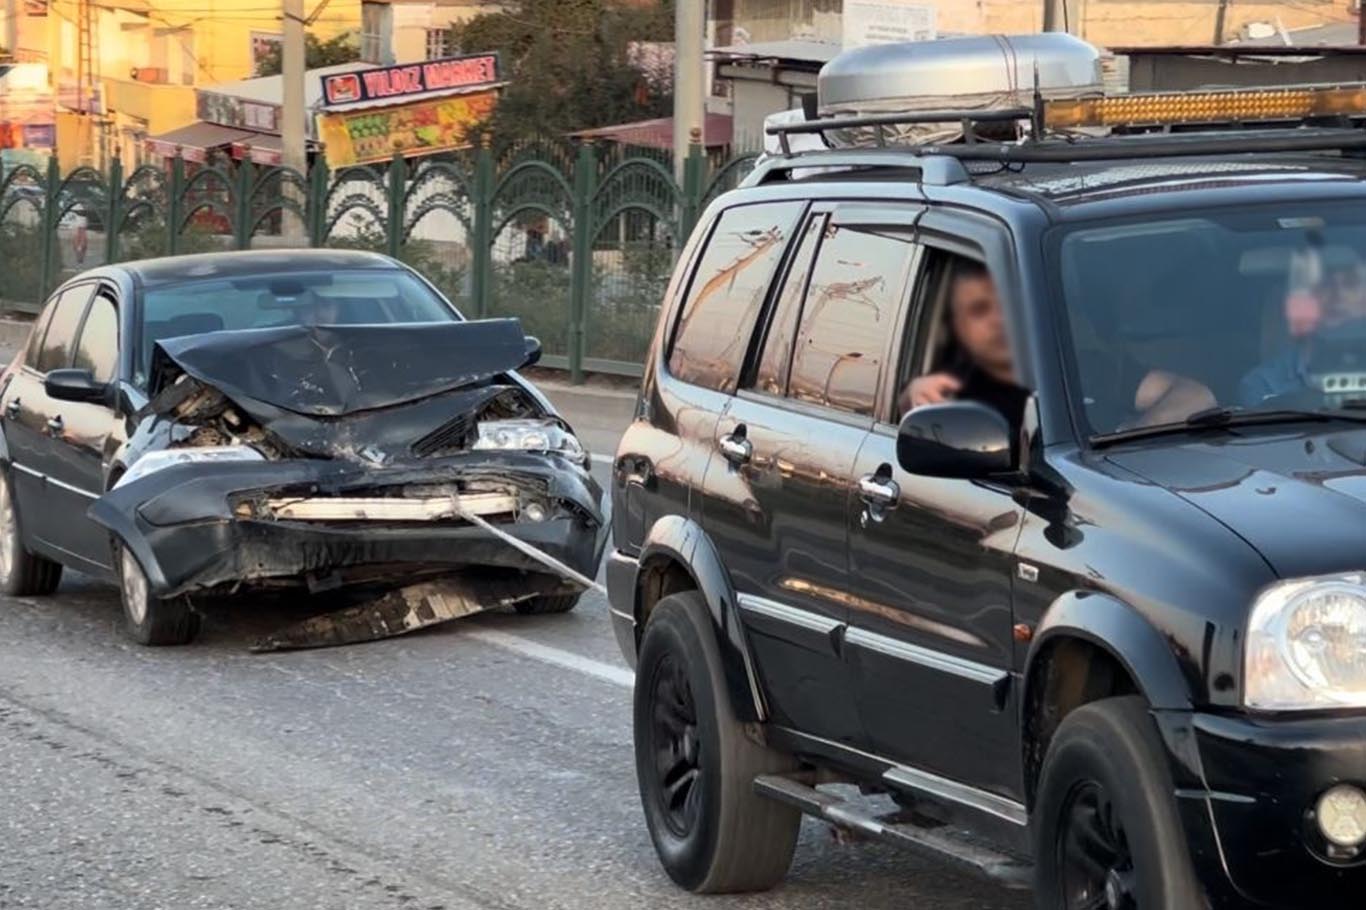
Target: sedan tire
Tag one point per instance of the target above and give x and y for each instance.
(152, 620)
(22, 574)
(1107, 832)
(696, 763)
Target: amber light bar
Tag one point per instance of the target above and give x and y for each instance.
(1234, 106)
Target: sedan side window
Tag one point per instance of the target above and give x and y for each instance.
(851, 305)
(98, 347)
(60, 339)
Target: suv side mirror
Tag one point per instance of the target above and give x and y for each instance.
(75, 385)
(957, 439)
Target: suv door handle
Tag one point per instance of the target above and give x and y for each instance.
(877, 490)
(737, 449)
(12, 409)
(55, 425)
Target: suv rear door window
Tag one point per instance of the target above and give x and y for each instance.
(61, 329)
(728, 291)
(851, 304)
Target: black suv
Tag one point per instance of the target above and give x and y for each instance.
(1119, 656)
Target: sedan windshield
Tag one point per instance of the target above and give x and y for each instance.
(1246, 311)
(348, 297)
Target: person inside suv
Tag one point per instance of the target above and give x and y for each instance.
(1330, 300)
(983, 370)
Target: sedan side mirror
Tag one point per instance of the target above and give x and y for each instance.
(957, 439)
(533, 351)
(75, 385)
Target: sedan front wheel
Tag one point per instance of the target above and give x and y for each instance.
(152, 620)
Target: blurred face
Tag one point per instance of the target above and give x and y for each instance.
(1346, 295)
(979, 326)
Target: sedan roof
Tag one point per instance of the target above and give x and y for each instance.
(170, 269)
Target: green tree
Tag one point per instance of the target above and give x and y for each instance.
(344, 48)
(569, 63)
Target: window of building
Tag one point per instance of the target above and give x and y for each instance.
(848, 317)
(727, 292)
(436, 43)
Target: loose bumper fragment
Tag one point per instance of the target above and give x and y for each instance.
(411, 608)
(429, 508)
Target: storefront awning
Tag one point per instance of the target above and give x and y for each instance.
(659, 134)
(196, 140)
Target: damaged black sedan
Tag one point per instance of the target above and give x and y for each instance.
(317, 420)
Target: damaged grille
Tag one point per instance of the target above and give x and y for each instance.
(454, 434)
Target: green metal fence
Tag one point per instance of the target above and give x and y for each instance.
(577, 241)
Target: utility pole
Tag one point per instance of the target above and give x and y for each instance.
(690, 23)
(293, 115)
(12, 26)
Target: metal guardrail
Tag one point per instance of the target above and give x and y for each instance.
(577, 241)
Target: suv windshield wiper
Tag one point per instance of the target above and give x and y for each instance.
(1222, 417)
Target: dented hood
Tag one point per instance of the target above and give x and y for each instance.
(331, 371)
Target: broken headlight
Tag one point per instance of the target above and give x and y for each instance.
(155, 461)
(528, 436)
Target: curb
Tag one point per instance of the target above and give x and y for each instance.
(565, 388)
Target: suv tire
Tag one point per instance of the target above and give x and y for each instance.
(712, 832)
(152, 620)
(22, 574)
(1105, 816)
(553, 603)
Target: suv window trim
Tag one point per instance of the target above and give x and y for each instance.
(759, 338)
(900, 216)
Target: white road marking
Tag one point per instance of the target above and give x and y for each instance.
(621, 676)
(603, 459)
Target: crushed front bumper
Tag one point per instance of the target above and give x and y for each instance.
(197, 527)
(1262, 780)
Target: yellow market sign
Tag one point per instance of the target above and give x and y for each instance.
(419, 128)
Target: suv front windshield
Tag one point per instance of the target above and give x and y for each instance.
(1266, 309)
(347, 297)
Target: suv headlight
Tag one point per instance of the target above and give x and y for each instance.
(528, 436)
(1306, 645)
(164, 458)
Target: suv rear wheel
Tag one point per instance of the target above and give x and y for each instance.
(696, 766)
(1107, 832)
(152, 620)
(21, 573)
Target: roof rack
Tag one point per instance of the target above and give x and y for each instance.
(1296, 108)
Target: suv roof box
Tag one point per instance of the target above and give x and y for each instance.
(981, 72)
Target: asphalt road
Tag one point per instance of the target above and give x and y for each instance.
(483, 764)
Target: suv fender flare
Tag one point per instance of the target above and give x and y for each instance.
(679, 539)
(1121, 631)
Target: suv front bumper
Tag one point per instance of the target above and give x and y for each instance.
(1264, 779)
(621, 601)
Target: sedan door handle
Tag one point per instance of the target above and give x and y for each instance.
(737, 449)
(12, 409)
(877, 490)
(55, 425)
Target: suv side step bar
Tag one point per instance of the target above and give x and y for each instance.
(967, 855)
